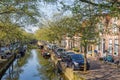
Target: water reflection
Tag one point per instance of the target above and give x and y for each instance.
(30, 70)
(14, 71)
(47, 69)
(31, 67)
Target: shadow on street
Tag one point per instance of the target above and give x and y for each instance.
(94, 64)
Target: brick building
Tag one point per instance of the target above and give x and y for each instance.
(109, 36)
(109, 41)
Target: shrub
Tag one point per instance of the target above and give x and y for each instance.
(76, 49)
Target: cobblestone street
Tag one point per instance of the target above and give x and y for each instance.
(102, 71)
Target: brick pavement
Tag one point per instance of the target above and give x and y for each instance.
(101, 71)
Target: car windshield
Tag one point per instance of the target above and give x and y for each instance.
(77, 57)
(60, 50)
(109, 56)
(69, 53)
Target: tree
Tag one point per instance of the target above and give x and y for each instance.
(99, 7)
(12, 33)
(11, 14)
(25, 10)
(89, 35)
(54, 31)
(112, 5)
(42, 34)
(86, 14)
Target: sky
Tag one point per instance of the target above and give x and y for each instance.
(47, 11)
(52, 8)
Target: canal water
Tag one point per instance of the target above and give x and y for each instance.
(31, 67)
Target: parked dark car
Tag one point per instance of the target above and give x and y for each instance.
(76, 62)
(46, 55)
(49, 46)
(3, 55)
(65, 54)
(22, 51)
(4, 52)
(69, 53)
(108, 58)
(41, 46)
(54, 47)
(59, 52)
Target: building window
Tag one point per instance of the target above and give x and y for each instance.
(115, 28)
(110, 46)
(116, 47)
(103, 46)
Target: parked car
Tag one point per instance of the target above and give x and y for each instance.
(76, 62)
(49, 46)
(66, 54)
(5, 50)
(46, 55)
(2, 55)
(41, 46)
(108, 58)
(59, 52)
(22, 51)
(5, 53)
(54, 47)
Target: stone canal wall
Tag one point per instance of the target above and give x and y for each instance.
(5, 64)
(68, 72)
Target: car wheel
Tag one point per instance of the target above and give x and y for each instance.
(112, 60)
(88, 66)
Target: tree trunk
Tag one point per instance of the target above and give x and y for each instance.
(85, 58)
(59, 43)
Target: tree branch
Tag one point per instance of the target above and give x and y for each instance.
(117, 2)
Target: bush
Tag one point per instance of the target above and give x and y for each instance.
(76, 49)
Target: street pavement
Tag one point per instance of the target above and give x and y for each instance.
(101, 71)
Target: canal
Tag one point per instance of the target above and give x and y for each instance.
(32, 67)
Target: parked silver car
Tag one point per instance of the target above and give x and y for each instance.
(59, 52)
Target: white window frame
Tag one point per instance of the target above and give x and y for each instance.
(110, 46)
(116, 47)
(115, 28)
